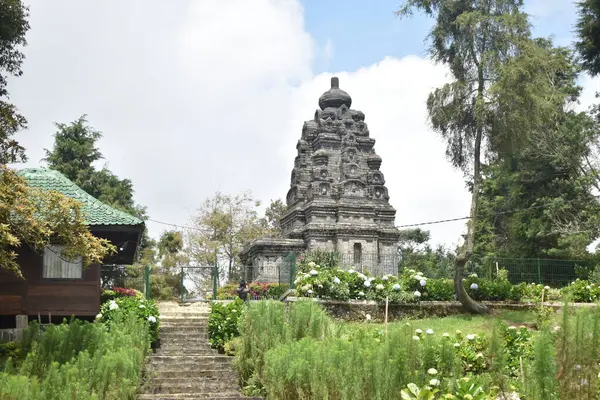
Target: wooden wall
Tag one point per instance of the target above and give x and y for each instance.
(60, 297)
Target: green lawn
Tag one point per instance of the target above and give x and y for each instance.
(464, 322)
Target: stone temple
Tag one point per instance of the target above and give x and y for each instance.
(337, 199)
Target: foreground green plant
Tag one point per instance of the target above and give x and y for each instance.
(223, 322)
(80, 360)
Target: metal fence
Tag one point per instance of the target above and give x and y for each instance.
(551, 272)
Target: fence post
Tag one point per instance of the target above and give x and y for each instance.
(539, 270)
(215, 280)
(147, 282)
(292, 257)
(181, 285)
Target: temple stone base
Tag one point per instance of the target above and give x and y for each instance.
(265, 259)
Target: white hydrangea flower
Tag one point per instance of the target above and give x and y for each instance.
(417, 293)
(152, 319)
(336, 280)
(473, 275)
(416, 337)
(367, 283)
(314, 272)
(471, 336)
(429, 331)
(142, 306)
(361, 293)
(434, 382)
(309, 291)
(474, 286)
(99, 316)
(512, 328)
(312, 264)
(418, 331)
(588, 287)
(432, 371)
(362, 276)
(479, 355)
(423, 282)
(112, 305)
(368, 317)
(396, 286)
(385, 278)
(546, 287)
(379, 286)
(457, 345)
(351, 271)
(446, 335)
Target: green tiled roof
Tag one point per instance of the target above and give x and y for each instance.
(95, 212)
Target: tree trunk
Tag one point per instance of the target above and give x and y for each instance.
(467, 250)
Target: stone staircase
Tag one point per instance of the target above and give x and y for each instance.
(185, 366)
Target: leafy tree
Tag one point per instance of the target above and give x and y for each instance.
(35, 217)
(74, 154)
(474, 39)
(537, 193)
(588, 35)
(223, 226)
(272, 219)
(418, 254)
(13, 27)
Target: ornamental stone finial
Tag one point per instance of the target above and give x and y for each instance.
(334, 97)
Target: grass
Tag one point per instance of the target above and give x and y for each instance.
(464, 322)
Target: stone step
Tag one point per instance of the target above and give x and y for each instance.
(193, 369)
(176, 349)
(184, 318)
(184, 335)
(225, 372)
(228, 395)
(181, 352)
(189, 385)
(190, 359)
(181, 329)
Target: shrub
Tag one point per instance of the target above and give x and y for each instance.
(80, 360)
(145, 310)
(223, 322)
(258, 290)
(581, 291)
(499, 289)
(111, 294)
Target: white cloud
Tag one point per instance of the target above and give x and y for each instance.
(198, 96)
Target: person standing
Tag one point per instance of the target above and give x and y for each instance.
(243, 290)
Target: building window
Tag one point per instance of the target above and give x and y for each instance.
(56, 267)
(357, 253)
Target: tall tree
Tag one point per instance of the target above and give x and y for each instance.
(473, 38)
(272, 218)
(537, 194)
(588, 35)
(223, 226)
(75, 153)
(13, 27)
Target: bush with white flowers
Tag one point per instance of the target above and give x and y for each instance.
(145, 310)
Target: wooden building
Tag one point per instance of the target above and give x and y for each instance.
(57, 287)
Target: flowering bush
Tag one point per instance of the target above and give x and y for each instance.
(499, 289)
(533, 292)
(129, 306)
(582, 291)
(223, 322)
(111, 294)
(339, 284)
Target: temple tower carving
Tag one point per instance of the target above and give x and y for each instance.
(337, 198)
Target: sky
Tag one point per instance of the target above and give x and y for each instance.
(194, 97)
